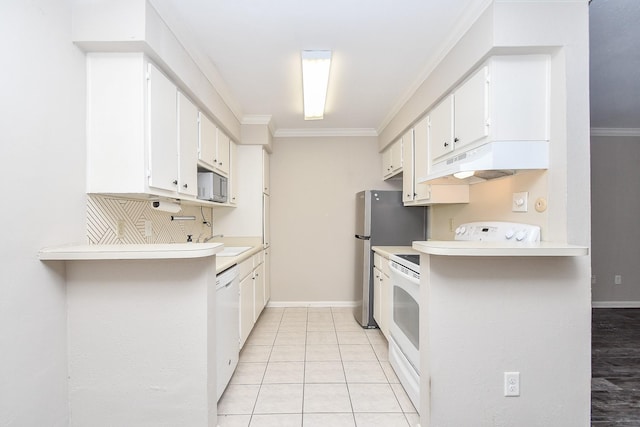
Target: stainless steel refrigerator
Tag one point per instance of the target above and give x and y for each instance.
(381, 220)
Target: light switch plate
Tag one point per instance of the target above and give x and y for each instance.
(519, 202)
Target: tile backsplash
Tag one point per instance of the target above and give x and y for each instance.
(136, 218)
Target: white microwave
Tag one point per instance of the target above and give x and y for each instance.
(212, 187)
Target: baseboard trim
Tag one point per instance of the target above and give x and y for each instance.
(346, 304)
(615, 304)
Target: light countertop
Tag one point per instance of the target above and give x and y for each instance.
(387, 251)
(499, 249)
(222, 263)
(78, 252)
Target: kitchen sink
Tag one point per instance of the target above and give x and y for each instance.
(233, 250)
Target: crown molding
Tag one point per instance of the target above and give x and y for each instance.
(615, 131)
(319, 133)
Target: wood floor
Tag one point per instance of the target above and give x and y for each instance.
(615, 389)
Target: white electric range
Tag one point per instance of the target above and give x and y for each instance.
(404, 345)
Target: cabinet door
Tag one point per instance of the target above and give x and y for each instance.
(407, 167)
(163, 131)
(187, 146)
(207, 141)
(266, 220)
(377, 282)
(386, 163)
(441, 129)
(246, 308)
(421, 159)
(267, 277)
(222, 153)
(266, 173)
(385, 304)
(471, 109)
(233, 173)
(258, 291)
(396, 156)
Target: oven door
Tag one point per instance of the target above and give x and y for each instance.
(405, 319)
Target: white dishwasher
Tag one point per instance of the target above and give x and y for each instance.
(227, 327)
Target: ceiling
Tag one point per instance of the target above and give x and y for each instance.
(615, 63)
(382, 51)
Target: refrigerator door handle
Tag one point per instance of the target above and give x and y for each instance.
(361, 237)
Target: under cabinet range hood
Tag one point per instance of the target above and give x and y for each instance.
(491, 160)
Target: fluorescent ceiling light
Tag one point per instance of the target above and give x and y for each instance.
(315, 80)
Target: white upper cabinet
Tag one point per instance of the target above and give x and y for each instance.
(214, 147)
(440, 130)
(162, 131)
(207, 141)
(408, 181)
(141, 132)
(392, 160)
(507, 99)
(471, 109)
(221, 160)
(266, 172)
(416, 160)
(187, 146)
(233, 173)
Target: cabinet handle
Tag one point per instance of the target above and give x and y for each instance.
(175, 182)
(456, 139)
(185, 186)
(446, 144)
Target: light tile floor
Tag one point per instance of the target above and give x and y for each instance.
(314, 367)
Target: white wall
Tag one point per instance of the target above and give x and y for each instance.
(42, 156)
(614, 170)
(313, 186)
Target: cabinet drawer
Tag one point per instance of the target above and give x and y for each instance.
(245, 268)
(385, 267)
(258, 259)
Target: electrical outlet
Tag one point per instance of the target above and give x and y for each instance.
(512, 383)
(120, 229)
(148, 229)
(450, 224)
(519, 202)
(593, 279)
(617, 279)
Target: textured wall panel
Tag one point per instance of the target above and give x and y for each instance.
(103, 214)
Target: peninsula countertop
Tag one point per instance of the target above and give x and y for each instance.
(498, 249)
(78, 252)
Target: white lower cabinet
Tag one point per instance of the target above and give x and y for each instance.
(381, 293)
(253, 292)
(246, 307)
(258, 285)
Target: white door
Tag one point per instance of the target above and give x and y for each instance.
(207, 141)
(187, 146)
(441, 129)
(421, 159)
(163, 131)
(407, 167)
(471, 109)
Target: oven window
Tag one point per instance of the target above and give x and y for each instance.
(406, 315)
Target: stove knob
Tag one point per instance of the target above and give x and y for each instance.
(509, 234)
(520, 235)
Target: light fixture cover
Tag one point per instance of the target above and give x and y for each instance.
(315, 80)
